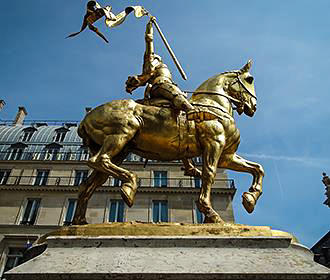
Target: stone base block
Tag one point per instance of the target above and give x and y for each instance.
(150, 256)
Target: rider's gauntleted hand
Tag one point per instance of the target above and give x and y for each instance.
(132, 83)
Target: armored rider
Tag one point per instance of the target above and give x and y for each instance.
(158, 79)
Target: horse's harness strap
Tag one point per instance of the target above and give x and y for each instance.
(246, 89)
(215, 92)
(213, 107)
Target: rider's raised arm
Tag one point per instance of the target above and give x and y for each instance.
(133, 82)
(149, 52)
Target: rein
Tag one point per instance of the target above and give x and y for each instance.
(210, 106)
(231, 99)
(214, 92)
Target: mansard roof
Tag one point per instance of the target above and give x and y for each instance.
(42, 137)
(43, 134)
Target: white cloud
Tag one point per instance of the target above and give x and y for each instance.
(316, 162)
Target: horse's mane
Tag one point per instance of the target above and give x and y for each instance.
(214, 80)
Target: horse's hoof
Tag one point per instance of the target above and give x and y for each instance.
(248, 202)
(128, 194)
(214, 219)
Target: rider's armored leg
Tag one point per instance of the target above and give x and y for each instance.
(177, 97)
(181, 103)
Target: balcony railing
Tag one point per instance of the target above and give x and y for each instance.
(61, 181)
(42, 122)
(43, 155)
(64, 156)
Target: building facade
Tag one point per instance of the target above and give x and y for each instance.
(41, 166)
(321, 250)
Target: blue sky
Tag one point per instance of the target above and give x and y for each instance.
(56, 78)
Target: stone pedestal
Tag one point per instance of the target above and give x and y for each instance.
(240, 252)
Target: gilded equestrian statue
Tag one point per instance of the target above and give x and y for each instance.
(114, 129)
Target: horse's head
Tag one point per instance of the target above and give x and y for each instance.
(236, 86)
(240, 85)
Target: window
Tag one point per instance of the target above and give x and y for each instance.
(80, 176)
(42, 177)
(70, 210)
(27, 134)
(116, 182)
(129, 157)
(133, 157)
(116, 213)
(30, 212)
(160, 178)
(15, 154)
(52, 151)
(52, 154)
(83, 154)
(4, 175)
(60, 135)
(198, 182)
(14, 258)
(199, 216)
(159, 211)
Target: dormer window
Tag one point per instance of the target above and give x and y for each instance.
(83, 153)
(15, 152)
(27, 134)
(52, 152)
(60, 134)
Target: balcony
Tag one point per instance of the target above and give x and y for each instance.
(61, 181)
(45, 156)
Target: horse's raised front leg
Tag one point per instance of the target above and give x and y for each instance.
(237, 163)
(107, 161)
(211, 155)
(86, 190)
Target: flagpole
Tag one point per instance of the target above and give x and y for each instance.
(177, 63)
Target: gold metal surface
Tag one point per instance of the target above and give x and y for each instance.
(157, 77)
(94, 12)
(167, 229)
(116, 128)
(139, 11)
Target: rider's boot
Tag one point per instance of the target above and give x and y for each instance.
(193, 114)
(182, 103)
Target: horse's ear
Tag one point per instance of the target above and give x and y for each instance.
(247, 66)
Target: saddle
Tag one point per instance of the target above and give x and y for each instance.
(199, 114)
(157, 102)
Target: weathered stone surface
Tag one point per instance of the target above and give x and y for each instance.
(170, 257)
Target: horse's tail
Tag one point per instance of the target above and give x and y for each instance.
(87, 141)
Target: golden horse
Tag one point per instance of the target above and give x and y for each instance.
(114, 129)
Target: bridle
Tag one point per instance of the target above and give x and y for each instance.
(240, 100)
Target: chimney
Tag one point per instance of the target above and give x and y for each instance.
(2, 104)
(20, 116)
(87, 109)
